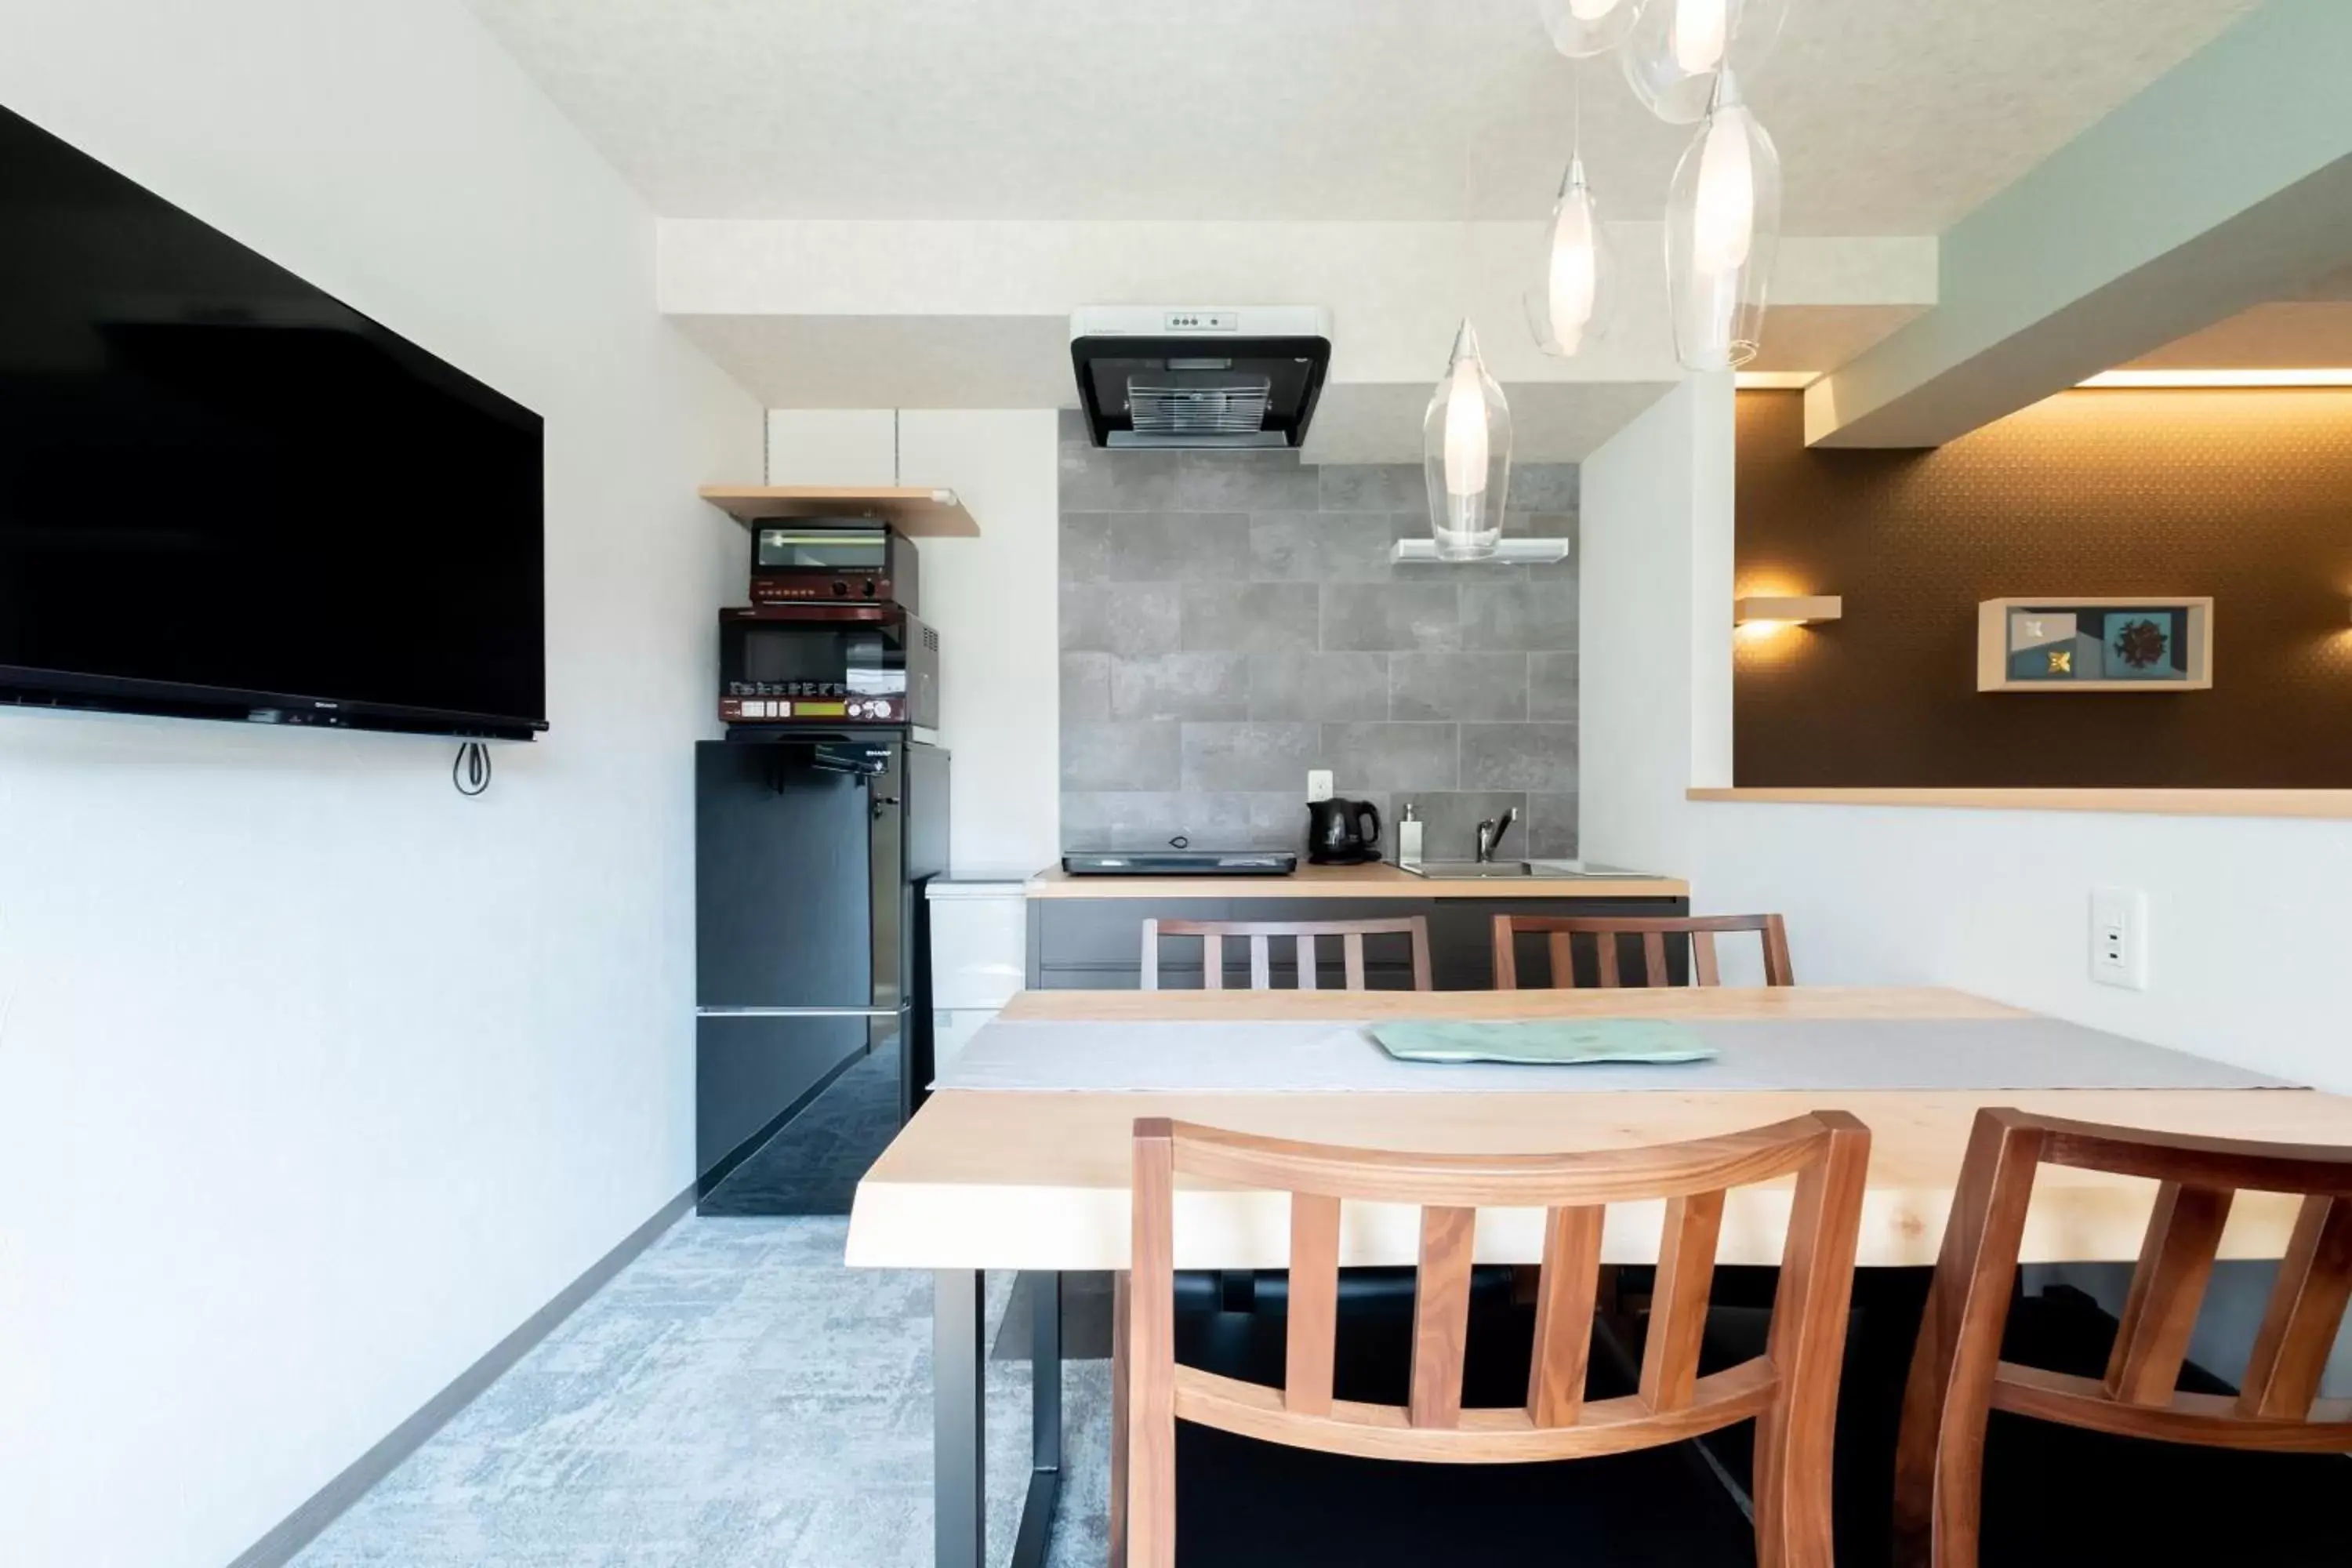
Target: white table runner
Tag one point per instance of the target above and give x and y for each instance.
(1778, 1054)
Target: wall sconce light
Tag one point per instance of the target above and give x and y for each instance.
(1794, 609)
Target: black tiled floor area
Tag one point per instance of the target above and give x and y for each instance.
(813, 1164)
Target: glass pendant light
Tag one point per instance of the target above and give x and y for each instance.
(1568, 309)
(1723, 228)
(1583, 29)
(1677, 46)
(1466, 454)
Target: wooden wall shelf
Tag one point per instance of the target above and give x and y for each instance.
(914, 512)
(1993, 653)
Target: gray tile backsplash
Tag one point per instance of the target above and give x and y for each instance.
(1230, 620)
(1129, 618)
(1247, 617)
(1459, 686)
(1181, 686)
(1392, 617)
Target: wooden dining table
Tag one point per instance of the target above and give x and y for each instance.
(1037, 1180)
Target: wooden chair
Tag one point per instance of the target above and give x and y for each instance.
(1607, 930)
(1957, 1373)
(1790, 1390)
(1351, 934)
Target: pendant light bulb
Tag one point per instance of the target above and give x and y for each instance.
(1675, 47)
(1701, 31)
(1583, 29)
(1723, 222)
(1465, 437)
(1466, 456)
(1722, 218)
(1568, 307)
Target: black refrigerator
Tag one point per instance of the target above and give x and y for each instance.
(812, 1029)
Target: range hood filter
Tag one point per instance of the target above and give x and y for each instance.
(1222, 379)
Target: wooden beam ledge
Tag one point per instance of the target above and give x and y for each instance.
(2293, 803)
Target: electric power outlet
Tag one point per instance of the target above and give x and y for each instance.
(2120, 938)
(1318, 784)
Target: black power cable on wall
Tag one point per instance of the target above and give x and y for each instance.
(470, 772)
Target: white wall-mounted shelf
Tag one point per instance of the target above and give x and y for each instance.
(1509, 552)
(914, 512)
(1993, 650)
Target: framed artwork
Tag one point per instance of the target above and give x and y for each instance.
(2092, 643)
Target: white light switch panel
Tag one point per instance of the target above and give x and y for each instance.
(2120, 938)
(1318, 784)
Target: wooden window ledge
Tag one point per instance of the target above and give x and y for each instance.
(2306, 803)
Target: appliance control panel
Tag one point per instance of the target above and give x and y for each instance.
(801, 588)
(782, 709)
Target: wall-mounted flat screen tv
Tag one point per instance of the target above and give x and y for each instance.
(226, 494)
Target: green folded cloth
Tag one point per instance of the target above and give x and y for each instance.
(1552, 1043)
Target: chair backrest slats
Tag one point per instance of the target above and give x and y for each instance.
(1150, 1341)
(1566, 1289)
(1678, 1302)
(1607, 930)
(1826, 1151)
(1790, 1391)
(1260, 934)
(2306, 1307)
(1563, 961)
(1441, 1315)
(2176, 1260)
(1703, 963)
(1958, 1377)
(1313, 1328)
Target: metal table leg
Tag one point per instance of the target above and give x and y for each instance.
(959, 1447)
(958, 1424)
(1045, 1421)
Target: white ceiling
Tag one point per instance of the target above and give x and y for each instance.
(1892, 116)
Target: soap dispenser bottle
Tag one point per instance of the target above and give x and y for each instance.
(1409, 836)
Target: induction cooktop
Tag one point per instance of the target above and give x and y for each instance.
(1180, 863)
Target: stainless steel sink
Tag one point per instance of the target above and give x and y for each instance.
(1452, 868)
(1549, 870)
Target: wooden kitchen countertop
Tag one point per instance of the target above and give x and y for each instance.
(1381, 882)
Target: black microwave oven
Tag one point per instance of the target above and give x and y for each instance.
(800, 664)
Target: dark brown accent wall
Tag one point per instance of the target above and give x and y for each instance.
(2245, 494)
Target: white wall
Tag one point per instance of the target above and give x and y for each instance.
(994, 600)
(315, 1079)
(1638, 729)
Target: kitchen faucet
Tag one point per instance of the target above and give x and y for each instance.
(1490, 834)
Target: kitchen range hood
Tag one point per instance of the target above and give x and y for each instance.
(1220, 378)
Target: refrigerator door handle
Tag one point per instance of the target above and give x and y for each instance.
(795, 1013)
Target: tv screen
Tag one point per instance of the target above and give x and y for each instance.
(223, 493)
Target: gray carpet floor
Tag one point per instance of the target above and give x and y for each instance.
(734, 1396)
